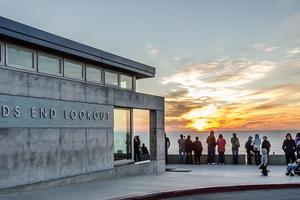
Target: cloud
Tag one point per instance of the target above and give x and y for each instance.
(264, 48)
(293, 52)
(152, 50)
(230, 94)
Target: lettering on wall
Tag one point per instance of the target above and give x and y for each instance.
(18, 111)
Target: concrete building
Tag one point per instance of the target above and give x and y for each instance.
(60, 102)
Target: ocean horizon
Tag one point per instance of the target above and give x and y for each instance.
(275, 137)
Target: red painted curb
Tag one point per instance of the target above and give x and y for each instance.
(196, 191)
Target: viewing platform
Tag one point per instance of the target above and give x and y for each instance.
(207, 177)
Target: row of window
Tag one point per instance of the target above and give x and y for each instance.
(28, 59)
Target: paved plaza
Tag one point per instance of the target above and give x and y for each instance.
(201, 176)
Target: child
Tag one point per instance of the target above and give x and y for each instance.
(264, 162)
(293, 168)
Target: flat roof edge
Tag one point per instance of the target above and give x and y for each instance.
(25, 33)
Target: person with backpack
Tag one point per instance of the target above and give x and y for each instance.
(235, 148)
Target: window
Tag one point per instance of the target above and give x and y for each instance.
(93, 74)
(111, 78)
(141, 129)
(49, 64)
(122, 134)
(73, 69)
(1, 53)
(19, 57)
(126, 82)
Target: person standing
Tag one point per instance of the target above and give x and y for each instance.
(289, 148)
(256, 148)
(264, 163)
(211, 148)
(197, 146)
(189, 150)
(181, 146)
(221, 142)
(167, 146)
(136, 148)
(266, 144)
(235, 148)
(297, 140)
(249, 150)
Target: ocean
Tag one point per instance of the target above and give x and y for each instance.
(275, 137)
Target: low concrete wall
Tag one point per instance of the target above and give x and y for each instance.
(142, 168)
(273, 159)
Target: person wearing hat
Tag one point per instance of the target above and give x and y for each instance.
(249, 150)
(266, 144)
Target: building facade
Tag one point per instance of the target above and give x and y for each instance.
(60, 104)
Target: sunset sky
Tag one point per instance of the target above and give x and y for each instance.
(228, 65)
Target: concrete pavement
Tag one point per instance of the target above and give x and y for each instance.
(201, 176)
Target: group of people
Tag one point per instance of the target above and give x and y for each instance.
(254, 148)
(187, 147)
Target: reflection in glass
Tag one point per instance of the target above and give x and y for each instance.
(111, 78)
(20, 58)
(73, 70)
(49, 65)
(93, 74)
(141, 128)
(122, 134)
(126, 82)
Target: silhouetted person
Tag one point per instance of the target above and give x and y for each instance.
(167, 146)
(197, 146)
(289, 148)
(181, 146)
(189, 150)
(297, 140)
(256, 148)
(144, 149)
(249, 150)
(211, 148)
(266, 144)
(136, 148)
(235, 148)
(221, 142)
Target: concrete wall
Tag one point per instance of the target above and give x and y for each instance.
(32, 155)
(273, 159)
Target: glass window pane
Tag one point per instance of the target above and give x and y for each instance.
(73, 70)
(122, 134)
(20, 58)
(126, 82)
(48, 65)
(93, 74)
(141, 129)
(111, 78)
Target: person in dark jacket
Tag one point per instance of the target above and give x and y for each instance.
(266, 144)
(167, 146)
(197, 146)
(211, 148)
(136, 148)
(289, 148)
(297, 140)
(189, 150)
(249, 150)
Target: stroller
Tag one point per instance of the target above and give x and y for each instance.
(293, 168)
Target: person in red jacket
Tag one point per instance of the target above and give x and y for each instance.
(197, 146)
(221, 142)
(189, 150)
